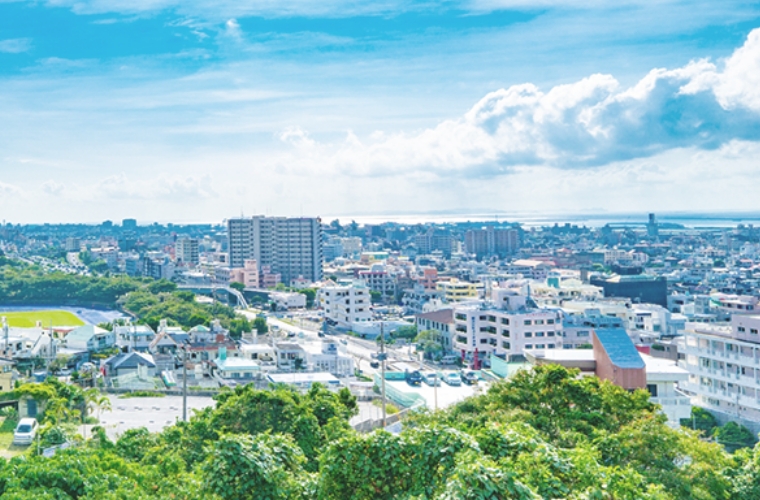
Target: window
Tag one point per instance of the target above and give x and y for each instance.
(461, 340)
(483, 318)
(529, 346)
(527, 322)
(741, 329)
(652, 388)
(506, 345)
(483, 341)
(504, 321)
(489, 329)
(492, 319)
(583, 333)
(505, 333)
(461, 317)
(549, 321)
(753, 330)
(550, 334)
(540, 346)
(538, 322)
(539, 334)
(461, 328)
(551, 346)
(492, 342)
(528, 335)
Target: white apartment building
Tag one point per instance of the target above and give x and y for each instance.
(291, 247)
(379, 279)
(186, 251)
(507, 326)
(723, 362)
(346, 304)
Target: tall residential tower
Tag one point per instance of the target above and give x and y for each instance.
(291, 247)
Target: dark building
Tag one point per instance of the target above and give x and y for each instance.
(639, 288)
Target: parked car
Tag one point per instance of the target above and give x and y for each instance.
(431, 379)
(452, 378)
(469, 377)
(450, 359)
(414, 378)
(25, 432)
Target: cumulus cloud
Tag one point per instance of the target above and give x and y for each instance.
(592, 122)
(15, 45)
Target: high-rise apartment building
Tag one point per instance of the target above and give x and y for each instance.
(490, 241)
(186, 251)
(290, 247)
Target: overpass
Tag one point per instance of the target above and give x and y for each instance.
(212, 291)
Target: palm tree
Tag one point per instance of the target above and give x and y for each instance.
(96, 401)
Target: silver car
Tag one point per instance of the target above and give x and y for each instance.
(25, 432)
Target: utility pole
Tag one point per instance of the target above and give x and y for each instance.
(382, 358)
(184, 382)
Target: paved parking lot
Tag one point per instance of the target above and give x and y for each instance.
(153, 413)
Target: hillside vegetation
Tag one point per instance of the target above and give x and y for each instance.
(544, 434)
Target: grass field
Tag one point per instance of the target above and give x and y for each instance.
(28, 319)
(7, 449)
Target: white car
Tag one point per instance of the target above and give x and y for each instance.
(452, 378)
(431, 379)
(25, 432)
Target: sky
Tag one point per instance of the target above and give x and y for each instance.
(197, 111)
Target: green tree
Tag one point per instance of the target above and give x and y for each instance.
(236, 285)
(734, 436)
(260, 324)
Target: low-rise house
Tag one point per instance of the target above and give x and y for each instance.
(288, 353)
(130, 363)
(234, 368)
(134, 337)
(91, 338)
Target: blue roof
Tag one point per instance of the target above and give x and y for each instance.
(619, 347)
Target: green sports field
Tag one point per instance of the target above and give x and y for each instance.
(28, 319)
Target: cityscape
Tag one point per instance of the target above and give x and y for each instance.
(348, 250)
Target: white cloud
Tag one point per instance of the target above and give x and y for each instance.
(16, 45)
(588, 123)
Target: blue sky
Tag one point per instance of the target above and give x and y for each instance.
(185, 111)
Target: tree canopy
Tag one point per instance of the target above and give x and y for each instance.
(544, 434)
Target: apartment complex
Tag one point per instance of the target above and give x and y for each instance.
(723, 362)
(346, 304)
(290, 247)
(490, 241)
(507, 326)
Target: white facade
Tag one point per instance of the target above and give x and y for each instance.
(288, 300)
(326, 357)
(723, 362)
(506, 326)
(662, 377)
(346, 304)
(133, 337)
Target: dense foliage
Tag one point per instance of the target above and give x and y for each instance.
(161, 300)
(544, 434)
(28, 285)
